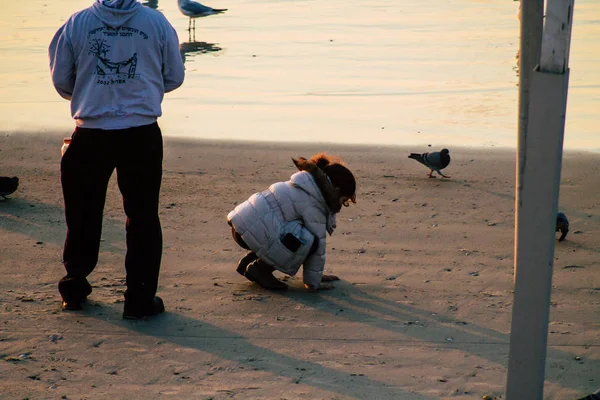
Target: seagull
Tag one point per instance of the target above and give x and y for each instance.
(193, 9)
(435, 161)
(562, 225)
(8, 186)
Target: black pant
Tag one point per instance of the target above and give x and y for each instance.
(136, 153)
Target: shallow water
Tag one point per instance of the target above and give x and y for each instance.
(377, 71)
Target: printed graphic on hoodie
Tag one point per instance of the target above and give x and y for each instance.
(110, 71)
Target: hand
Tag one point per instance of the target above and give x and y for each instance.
(329, 278)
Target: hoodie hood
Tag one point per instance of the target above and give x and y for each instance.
(115, 13)
(317, 185)
(329, 193)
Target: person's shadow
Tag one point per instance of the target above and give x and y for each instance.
(232, 346)
(44, 223)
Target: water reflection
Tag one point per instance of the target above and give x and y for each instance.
(151, 3)
(192, 48)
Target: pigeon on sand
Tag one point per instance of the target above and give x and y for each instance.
(562, 225)
(8, 186)
(435, 161)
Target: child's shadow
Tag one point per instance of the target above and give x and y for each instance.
(423, 326)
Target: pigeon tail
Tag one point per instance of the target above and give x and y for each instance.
(418, 157)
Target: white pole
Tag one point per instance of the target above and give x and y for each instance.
(538, 182)
(532, 13)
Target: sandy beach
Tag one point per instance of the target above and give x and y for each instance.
(422, 310)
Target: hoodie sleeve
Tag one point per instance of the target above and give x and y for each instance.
(172, 68)
(62, 63)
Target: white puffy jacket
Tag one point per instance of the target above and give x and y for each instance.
(264, 219)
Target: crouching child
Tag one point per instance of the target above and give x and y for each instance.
(285, 227)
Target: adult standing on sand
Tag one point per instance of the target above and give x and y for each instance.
(114, 61)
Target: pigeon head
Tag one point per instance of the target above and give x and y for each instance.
(445, 151)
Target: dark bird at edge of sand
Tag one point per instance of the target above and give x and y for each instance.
(562, 225)
(8, 186)
(435, 161)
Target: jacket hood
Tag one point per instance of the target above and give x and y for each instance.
(115, 13)
(329, 192)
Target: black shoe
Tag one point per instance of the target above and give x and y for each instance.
(244, 261)
(73, 305)
(74, 293)
(262, 274)
(134, 311)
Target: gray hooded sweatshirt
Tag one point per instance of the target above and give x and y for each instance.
(115, 60)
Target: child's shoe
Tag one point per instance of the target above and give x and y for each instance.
(262, 273)
(244, 261)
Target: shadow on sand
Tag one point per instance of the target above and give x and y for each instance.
(229, 345)
(363, 308)
(46, 223)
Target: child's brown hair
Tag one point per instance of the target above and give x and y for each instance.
(338, 174)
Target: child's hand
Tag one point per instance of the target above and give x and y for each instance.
(329, 278)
